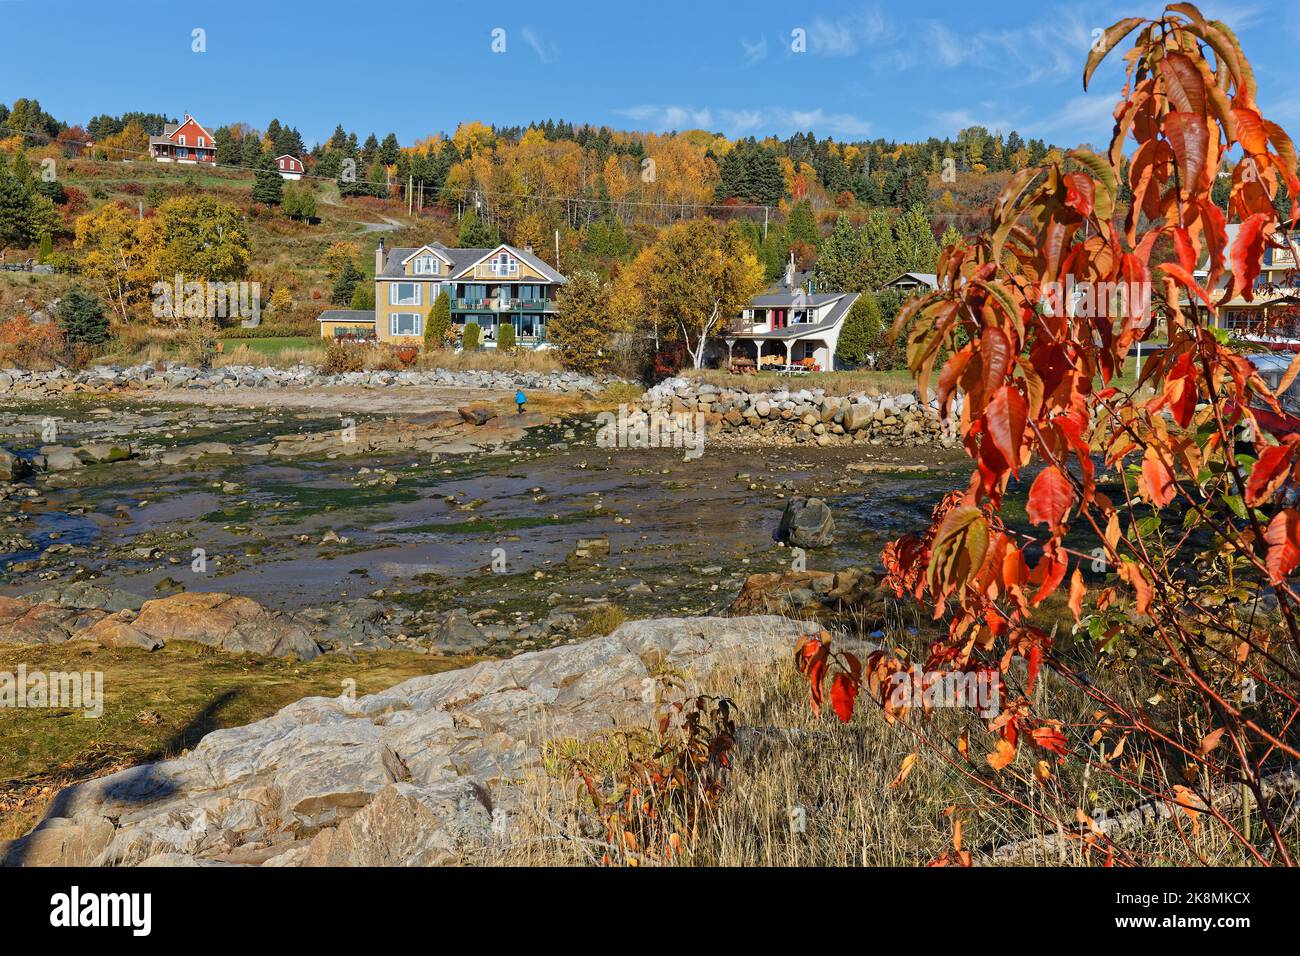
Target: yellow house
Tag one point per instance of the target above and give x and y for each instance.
(491, 288)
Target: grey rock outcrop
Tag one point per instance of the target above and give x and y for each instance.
(420, 773)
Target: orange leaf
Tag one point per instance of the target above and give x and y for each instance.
(908, 762)
(1157, 483)
(1283, 538)
(1002, 755)
(1211, 740)
(1077, 591)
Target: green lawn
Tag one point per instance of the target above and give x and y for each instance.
(271, 346)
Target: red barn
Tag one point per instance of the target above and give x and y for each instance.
(184, 142)
(290, 167)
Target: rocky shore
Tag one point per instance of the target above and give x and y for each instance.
(794, 416)
(23, 383)
(420, 774)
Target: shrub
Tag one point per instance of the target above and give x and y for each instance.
(506, 338)
(341, 357)
(469, 340)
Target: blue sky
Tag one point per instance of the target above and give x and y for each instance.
(901, 70)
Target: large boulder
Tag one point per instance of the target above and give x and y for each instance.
(12, 468)
(225, 621)
(806, 523)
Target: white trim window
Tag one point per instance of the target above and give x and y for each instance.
(426, 266)
(405, 323)
(404, 293)
(504, 264)
(181, 139)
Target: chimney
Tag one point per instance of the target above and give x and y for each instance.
(379, 258)
(528, 249)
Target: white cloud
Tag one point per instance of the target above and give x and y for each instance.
(845, 36)
(754, 52)
(545, 50)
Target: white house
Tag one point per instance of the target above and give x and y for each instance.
(786, 328)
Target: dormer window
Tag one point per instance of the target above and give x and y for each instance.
(426, 266)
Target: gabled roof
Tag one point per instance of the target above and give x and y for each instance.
(843, 302)
(437, 250)
(925, 278)
(289, 156)
(169, 129)
(462, 261)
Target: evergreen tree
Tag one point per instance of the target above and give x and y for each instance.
(250, 152)
(951, 237)
(883, 252)
(389, 151)
(268, 187)
(469, 339)
(438, 323)
(802, 225)
(346, 284)
(46, 248)
(917, 250)
(863, 328)
(844, 261)
(506, 337)
(474, 233)
(82, 318)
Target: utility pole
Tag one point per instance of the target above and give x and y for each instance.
(557, 250)
(410, 193)
(765, 224)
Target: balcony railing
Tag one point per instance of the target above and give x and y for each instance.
(502, 304)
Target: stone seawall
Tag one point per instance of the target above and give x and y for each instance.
(799, 416)
(97, 378)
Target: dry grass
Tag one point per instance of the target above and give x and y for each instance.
(813, 792)
(492, 360)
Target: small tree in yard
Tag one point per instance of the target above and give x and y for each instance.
(469, 339)
(699, 276)
(1179, 684)
(506, 338)
(438, 324)
(82, 319)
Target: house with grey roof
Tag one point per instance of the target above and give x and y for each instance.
(490, 288)
(790, 329)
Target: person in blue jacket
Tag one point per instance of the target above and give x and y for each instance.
(520, 398)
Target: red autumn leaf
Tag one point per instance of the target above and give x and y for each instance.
(843, 693)
(1268, 474)
(1035, 665)
(995, 350)
(1079, 192)
(1246, 254)
(1050, 498)
(1130, 572)
(1049, 738)
(1005, 417)
(1157, 482)
(1283, 538)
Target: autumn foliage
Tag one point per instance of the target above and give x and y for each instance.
(1157, 512)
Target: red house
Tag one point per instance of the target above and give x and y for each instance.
(184, 142)
(290, 167)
